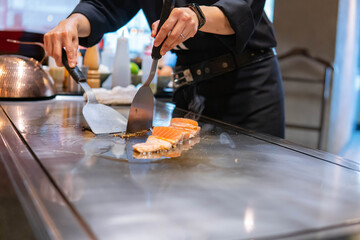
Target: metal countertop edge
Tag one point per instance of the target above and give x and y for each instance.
(36, 222)
(315, 153)
(23, 185)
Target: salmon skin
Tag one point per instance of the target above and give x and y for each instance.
(164, 138)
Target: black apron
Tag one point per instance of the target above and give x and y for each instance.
(251, 97)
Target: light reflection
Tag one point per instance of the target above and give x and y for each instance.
(20, 121)
(21, 69)
(21, 127)
(249, 220)
(50, 18)
(2, 123)
(118, 148)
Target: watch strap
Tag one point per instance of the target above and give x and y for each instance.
(199, 14)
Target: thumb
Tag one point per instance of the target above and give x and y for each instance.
(154, 28)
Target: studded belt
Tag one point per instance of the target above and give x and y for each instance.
(218, 65)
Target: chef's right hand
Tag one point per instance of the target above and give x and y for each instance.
(66, 34)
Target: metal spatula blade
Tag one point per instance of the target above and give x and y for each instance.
(142, 106)
(101, 119)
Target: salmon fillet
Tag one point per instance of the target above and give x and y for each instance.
(169, 134)
(184, 122)
(152, 144)
(187, 125)
(188, 132)
(163, 138)
(172, 153)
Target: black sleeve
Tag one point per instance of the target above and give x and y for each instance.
(105, 16)
(244, 16)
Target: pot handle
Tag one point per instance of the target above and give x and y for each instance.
(31, 43)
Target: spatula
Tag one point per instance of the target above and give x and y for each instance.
(101, 119)
(142, 106)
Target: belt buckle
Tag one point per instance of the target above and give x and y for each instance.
(182, 78)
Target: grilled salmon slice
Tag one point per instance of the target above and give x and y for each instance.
(188, 132)
(163, 138)
(170, 134)
(184, 122)
(189, 126)
(172, 153)
(152, 144)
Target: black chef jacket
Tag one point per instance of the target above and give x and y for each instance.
(247, 18)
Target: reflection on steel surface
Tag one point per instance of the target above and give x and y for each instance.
(249, 220)
(71, 185)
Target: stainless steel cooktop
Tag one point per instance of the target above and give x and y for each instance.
(233, 184)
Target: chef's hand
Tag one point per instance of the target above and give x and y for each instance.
(66, 34)
(181, 25)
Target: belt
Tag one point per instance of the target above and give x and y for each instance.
(218, 65)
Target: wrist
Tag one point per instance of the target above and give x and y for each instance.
(199, 14)
(81, 24)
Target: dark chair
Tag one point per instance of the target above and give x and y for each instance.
(325, 83)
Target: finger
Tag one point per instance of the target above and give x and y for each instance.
(71, 50)
(154, 28)
(167, 27)
(183, 30)
(179, 40)
(76, 46)
(173, 38)
(56, 49)
(164, 31)
(186, 33)
(47, 44)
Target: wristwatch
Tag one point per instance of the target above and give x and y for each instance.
(199, 14)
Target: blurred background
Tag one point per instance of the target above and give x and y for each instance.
(318, 48)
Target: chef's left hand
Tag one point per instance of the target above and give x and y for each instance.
(181, 25)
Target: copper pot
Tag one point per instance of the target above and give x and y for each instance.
(24, 78)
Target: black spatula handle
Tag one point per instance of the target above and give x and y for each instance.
(75, 72)
(165, 12)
